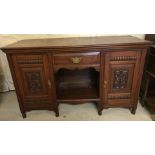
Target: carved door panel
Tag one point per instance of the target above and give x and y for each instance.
(121, 69)
(34, 80)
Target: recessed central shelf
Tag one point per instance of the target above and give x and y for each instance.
(77, 85)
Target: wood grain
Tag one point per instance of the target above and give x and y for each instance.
(106, 71)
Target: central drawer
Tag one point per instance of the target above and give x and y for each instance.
(86, 58)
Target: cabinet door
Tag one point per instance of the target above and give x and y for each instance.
(34, 81)
(120, 78)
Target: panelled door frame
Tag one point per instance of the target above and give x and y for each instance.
(106, 79)
(49, 90)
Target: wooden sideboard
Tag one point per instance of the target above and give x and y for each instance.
(104, 70)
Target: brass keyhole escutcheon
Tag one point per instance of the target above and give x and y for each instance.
(76, 60)
(105, 84)
(49, 84)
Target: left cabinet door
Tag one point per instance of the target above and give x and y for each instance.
(35, 81)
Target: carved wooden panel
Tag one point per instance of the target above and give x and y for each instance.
(120, 78)
(123, 58)
(120, 56)
(34, 82)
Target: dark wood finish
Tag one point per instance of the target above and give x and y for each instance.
(103, 70)
(123, 69)
(76, 60)
(35, 83)
(77, 84)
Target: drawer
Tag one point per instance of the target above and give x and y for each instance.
(77, 58)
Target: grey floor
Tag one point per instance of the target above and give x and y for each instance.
(9, 111)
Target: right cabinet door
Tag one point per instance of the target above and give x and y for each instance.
(120, 78)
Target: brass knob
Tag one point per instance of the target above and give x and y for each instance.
(105, 84)
(76, 60)
(49, 84)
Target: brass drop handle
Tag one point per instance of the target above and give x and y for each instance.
(76, 60)
(105, 84)
(49, 84)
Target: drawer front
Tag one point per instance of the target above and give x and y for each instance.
(77, 58)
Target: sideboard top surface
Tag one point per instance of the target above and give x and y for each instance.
(98, 41)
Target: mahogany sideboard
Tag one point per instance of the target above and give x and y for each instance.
(104, 70)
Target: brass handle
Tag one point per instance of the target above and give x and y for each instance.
(49, 84)
(105, 84)
(76, 60)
